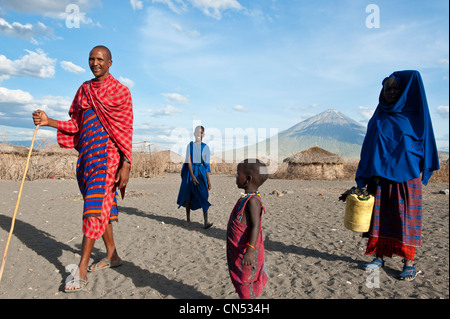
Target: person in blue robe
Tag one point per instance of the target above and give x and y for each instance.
(195, 180)
(398, 154)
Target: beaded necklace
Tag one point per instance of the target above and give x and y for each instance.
(243, 195)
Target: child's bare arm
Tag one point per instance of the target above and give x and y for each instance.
(253, 216)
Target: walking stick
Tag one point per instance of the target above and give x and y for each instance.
(17, 204)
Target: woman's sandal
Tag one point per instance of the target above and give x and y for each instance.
(409, 273)
(374, 264)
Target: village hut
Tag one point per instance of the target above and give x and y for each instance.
(315, 163)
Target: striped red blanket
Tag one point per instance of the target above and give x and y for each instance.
(397, 219)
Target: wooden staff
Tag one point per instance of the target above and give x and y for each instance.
(17, 204)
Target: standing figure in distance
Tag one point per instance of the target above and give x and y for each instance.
(195, 179)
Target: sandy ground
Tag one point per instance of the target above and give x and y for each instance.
(309, 253)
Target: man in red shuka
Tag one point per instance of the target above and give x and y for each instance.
(101, 129)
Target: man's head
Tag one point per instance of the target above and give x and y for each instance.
(100, 60)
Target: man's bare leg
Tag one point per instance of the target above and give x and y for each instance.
(111, 252)
(86, 250)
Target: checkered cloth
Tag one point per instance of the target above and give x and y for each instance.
(112, 102)
(397, 219)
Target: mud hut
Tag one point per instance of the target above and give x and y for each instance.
(315, 163)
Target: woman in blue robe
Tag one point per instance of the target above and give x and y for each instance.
(195, 181)
(398, 155)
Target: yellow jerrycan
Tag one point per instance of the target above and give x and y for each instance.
(358, 212)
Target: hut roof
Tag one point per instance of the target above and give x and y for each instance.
(314, 155)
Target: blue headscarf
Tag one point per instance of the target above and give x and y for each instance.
(399, 143)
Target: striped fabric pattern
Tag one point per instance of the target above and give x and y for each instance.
(92, 175)
(397, 219)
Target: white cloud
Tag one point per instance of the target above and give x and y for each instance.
(212, 8)
(189, 33)
(442, 110)
(176, 98)
(34, 64)
(55, 9)
(24, 31)
(444, 61)
(136, 5)
(366, 112)
(55, 104)
(179, 7)
(46, 7)
(14, 96)
(127, 82)
(167, 111)
(240, 108)
(16, 107)
(163, 35)
(70, 67)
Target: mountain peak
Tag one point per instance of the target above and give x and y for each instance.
(331, 130)
(328, 117)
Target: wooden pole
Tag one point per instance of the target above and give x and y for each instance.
(17, 204)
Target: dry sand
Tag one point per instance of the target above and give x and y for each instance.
(309, 253)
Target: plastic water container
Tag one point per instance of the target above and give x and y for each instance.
(358, 212)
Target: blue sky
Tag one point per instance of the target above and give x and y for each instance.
(225, 64)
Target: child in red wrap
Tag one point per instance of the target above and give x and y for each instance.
(245, 245)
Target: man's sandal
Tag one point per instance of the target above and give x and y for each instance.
(81, 283)
(374, 264)
(108, 264)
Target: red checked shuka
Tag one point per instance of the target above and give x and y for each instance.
(101, 129)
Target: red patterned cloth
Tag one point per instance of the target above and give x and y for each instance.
(396, 226)
(112, 103)
(97, 165)
(388, 247)
(249, 281)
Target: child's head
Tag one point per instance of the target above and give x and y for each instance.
(199, 133)
(251, 172)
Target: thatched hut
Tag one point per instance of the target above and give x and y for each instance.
(315, 163)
